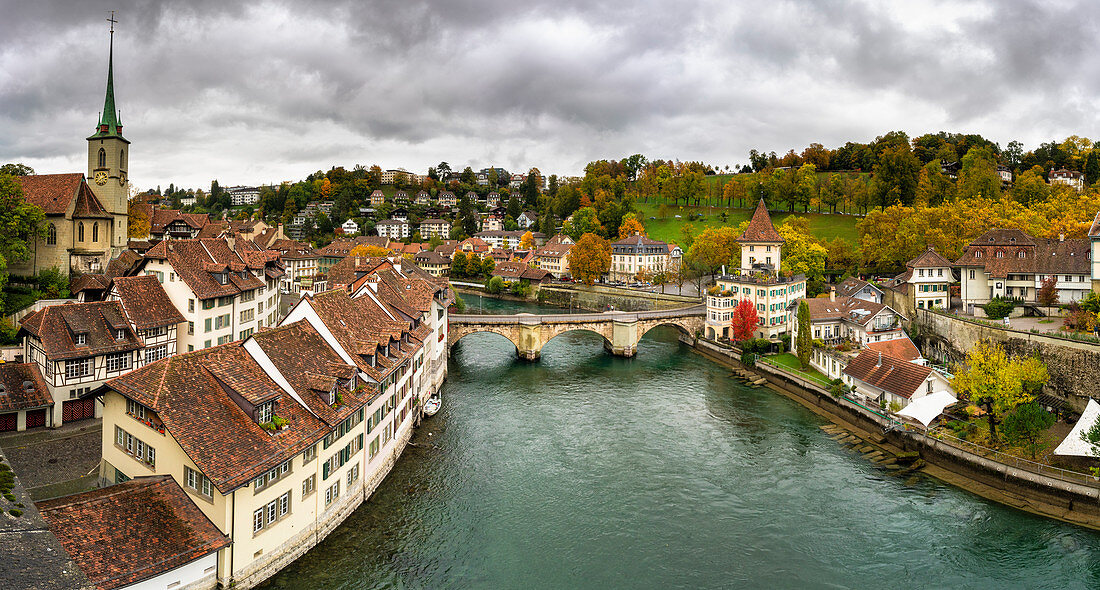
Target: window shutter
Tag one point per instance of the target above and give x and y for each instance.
(324, 470)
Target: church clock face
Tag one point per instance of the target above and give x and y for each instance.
(101, 177)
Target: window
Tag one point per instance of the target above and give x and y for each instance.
(209, 326)
(223, 301)
(247, 296)
(1020, 254)
(264, 412)
(191, 328)
(78, 368)
(190, 306)
(244, 334)
(152, 332)
(80, 339)
(120, 334)
(118, 361)
(95, 232)
(248, 315)
(309, 454)
(971, 275)
(101, 160)
(80, 231)
(51, 235)
(332, 493)
(258, 520)
(308, 486)
(156, 353)
(135, 447)
(353, 475)
(208, 303)
(198, 482)
(221, 321)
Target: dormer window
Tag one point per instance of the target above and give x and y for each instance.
(1020, 254)
(978, 254)
(80, 339)
(222, 277)
(370, 359)
(120, 334)
(265, 412)
(1000, 254)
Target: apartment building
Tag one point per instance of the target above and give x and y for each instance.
(225, 291)
(430, 228)
(393, 229)
(553, 256)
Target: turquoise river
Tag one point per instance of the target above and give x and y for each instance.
(583, 470)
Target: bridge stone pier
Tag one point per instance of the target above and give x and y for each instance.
(621, 331)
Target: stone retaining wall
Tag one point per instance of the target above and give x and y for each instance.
(1074, 365)
(1030, 491)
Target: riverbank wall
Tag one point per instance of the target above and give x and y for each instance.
(1077, 502)
(1074, 365)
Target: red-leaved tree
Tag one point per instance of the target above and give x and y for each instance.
(744, 320)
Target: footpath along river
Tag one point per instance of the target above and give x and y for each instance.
(583, 470)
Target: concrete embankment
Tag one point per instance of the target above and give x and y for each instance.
(1046, 495)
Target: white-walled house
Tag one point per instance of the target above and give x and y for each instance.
(926, 281)
(350, 227)
(226, 292)
(858, 321)
(859, 288)
(1009, 263)
(880, 378)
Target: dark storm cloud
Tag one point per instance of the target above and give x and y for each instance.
(262, 91)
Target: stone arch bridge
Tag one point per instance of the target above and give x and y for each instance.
(621, 330)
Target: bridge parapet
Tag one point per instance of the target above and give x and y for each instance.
(621, 331)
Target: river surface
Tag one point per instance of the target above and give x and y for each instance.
(583, 470)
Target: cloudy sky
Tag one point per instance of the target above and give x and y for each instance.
(256, 92)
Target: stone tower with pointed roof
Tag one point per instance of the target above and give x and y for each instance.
(108, 160)
(760, 243)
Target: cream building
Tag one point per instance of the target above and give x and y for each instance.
(638, 257)
(926, 282)
(757, 281)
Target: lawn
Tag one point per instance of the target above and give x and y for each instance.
(790, 362)
(822, 225)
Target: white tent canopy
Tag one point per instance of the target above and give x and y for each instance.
(925, 409)
(1073, 444)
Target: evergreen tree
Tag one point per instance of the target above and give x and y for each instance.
(805, 340)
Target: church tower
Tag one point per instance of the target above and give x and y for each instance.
(108, 159)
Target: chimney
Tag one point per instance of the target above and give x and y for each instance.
(879, 363)
(1061, 237)
(832, 293)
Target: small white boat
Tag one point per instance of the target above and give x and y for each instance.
(432, 405)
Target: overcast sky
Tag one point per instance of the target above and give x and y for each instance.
(258, 92)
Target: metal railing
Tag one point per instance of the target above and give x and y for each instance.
(1014, 461)
(622, 316)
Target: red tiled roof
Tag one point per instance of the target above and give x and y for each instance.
(145, 302)
(851, 309)
(1001, 252)
(22, 387)
(760, 227)
(928, 259)
(133, 531)
(56, 326)
(193, 260)
(189, 393)
(53, 193)
(902, 348)
(885, 372)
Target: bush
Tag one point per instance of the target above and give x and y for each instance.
(999, 307)
(15, 512)
(8, 334)
(53, 284)
(784, 342)
(494, 285)
(748, 359)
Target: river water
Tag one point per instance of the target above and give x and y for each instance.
(583, 470)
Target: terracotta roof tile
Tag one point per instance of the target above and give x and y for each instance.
(888, 373)
(56, 327)
(195, 262)
(22, 387)
(760, 227)
(126, 533)
(902, 348)
(928, 259)
(145, 302)
(53, 193)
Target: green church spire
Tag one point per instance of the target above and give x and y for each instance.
(109, 125)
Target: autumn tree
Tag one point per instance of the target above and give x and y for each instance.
(527, 241)
(21, 222)
(458, 265)
(631, 226)
(999, 383)
(744, 320)
(370, 251)
(590, 258)
(139, 221)
(1047, 295)
(584, 221)
(802, 254)
(805, 342)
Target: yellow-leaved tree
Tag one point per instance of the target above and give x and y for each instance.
(991, 378)
(630, 226)
(527, 241)
(370, 251)
(590, 258)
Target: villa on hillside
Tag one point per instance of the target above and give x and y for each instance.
(758, 281)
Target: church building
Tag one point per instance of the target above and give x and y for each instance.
(86, 222)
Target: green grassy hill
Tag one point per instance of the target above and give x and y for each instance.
(822, 225)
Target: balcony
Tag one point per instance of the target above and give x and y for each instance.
(753, 277)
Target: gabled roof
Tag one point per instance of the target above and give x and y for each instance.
(928, 259)
(133, 531)
(851, 285)
(850, 309)
(145, 302)
(760, 227)
(53, 193)
(22, 387)
(888, 373)
(1001, 252)
(902, 348)
(216, 433)
(198, 261)
(56, 327)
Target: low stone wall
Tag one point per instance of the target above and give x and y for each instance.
(1074, 365)
(1049, 496)
(599, 297)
